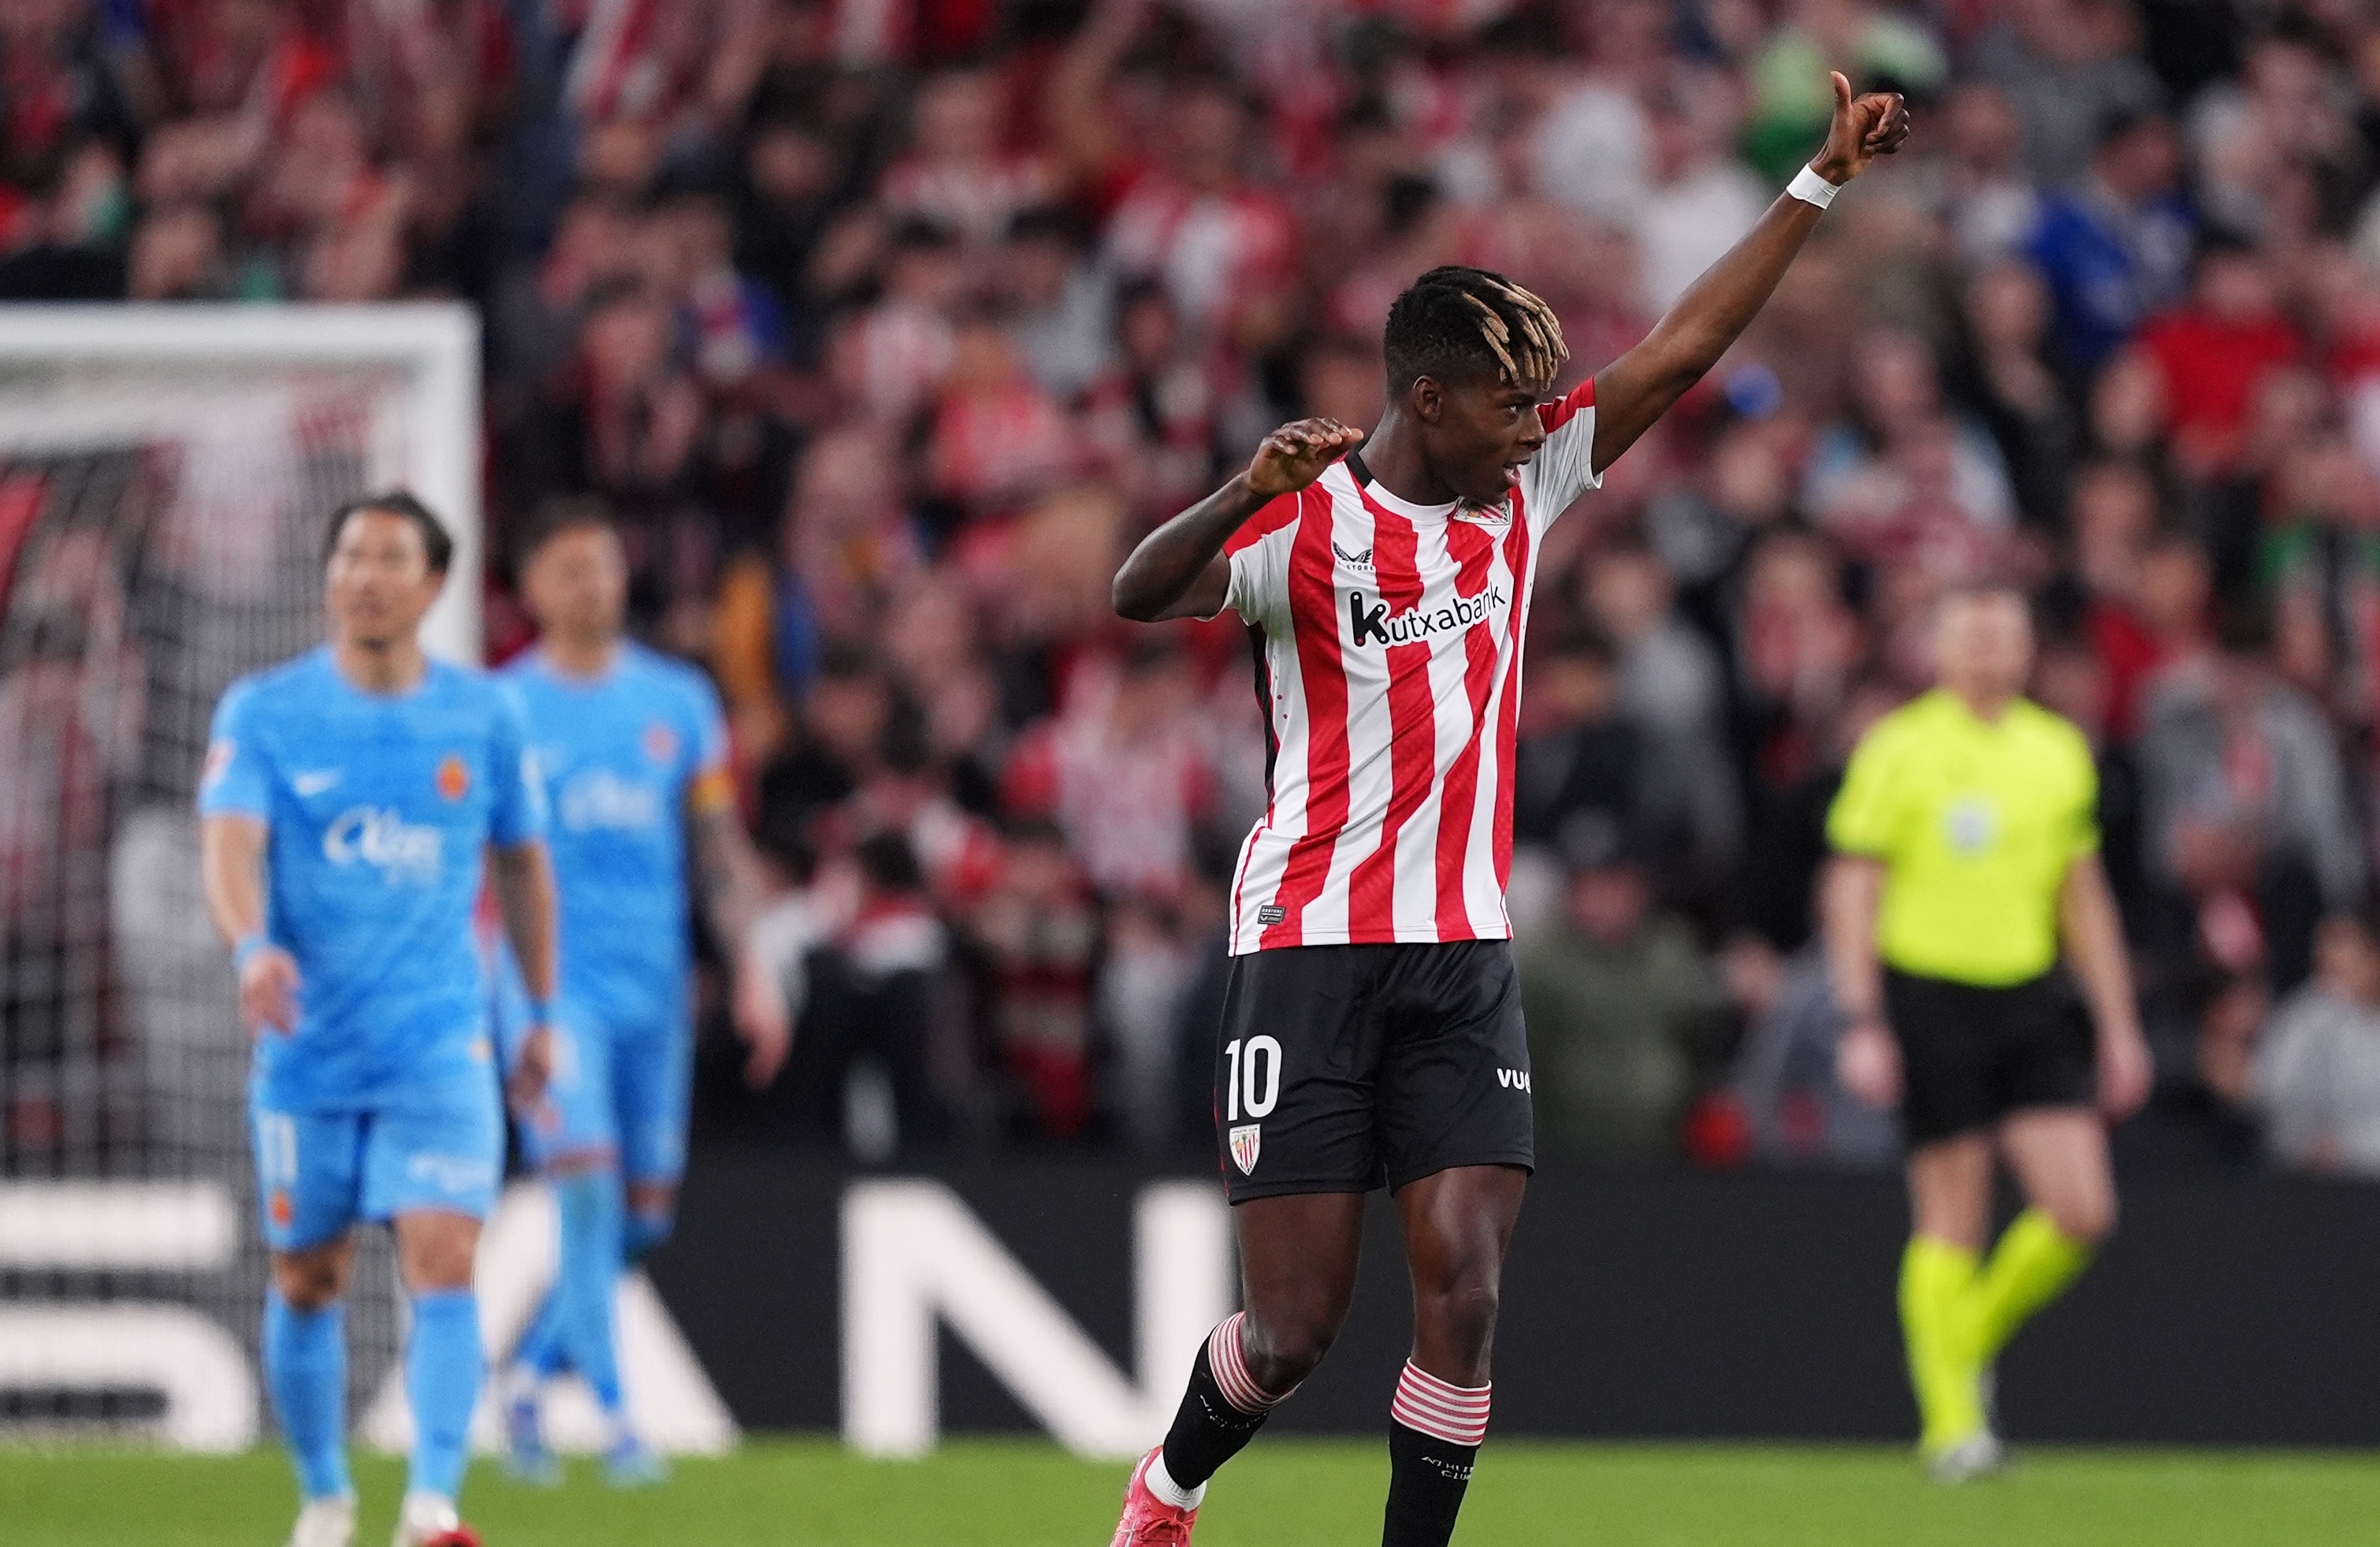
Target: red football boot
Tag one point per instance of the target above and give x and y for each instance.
(1149, 1521)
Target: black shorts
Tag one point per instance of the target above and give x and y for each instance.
(1970, 1056)
(1341, 1069)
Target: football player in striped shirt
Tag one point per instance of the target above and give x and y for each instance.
(1372, 1028)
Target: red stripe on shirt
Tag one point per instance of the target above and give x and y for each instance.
(1553, 416)
(1274, 515)
(1313, 603)
(1516, 559)
(1474, 552)
(1412, 729)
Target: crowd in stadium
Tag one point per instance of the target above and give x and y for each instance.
(884, 328)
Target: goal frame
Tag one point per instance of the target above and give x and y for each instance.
(435, 345)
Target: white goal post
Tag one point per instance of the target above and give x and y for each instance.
(434, 450)
(164, 474)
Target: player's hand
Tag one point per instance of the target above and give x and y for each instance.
(532, 1070)
(761, 1021)
(1868, 1063)
(1294, 455)
(2126, 1072)
(1863, 128)
(268, 990)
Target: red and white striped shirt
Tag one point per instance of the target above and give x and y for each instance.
(1391, 680)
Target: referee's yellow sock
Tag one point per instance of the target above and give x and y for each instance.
(1937, 1285)
(2031, 1266)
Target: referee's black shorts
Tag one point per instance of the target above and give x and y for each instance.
(1970, 1056)
(1341, 1069)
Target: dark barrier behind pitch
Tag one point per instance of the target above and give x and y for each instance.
(2225, 1310)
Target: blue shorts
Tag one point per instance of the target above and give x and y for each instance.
(618, 1084)
(318, 1172)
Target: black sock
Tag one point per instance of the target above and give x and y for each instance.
(1426, 1479)
(1208, 1430)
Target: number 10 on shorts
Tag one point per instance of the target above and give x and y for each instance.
(1253, 1083)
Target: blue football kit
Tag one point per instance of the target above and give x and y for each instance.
(384, 1097)
(621, 759)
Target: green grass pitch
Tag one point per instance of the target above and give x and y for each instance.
(1293, 1494)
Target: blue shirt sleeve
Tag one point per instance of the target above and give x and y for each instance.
(518, 814)
(238, 776)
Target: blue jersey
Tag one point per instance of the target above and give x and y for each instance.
(378, 809)
(622, 758)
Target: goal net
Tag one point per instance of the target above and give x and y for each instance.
(163, 477)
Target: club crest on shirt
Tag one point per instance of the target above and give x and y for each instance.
(454, 776)
(1496, 516)
(1247, 1142)
(661, 742)
(1970, 825)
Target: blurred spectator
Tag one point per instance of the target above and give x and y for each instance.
(2245, 809)
(2317, 1069)
(2116, 247)
(2213, 351)
(1623, 1020)
(1040, 934)
(2066, 66)
(1785, 1082)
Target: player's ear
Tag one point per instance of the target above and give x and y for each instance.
(1426, 398)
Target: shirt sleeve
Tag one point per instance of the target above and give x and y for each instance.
(1866, 817)
(238, 776)
(2083, 832)
(709, 784)
(1259, 554)
(519, 815)
(1564, 468)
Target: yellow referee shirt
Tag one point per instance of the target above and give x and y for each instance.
(1976, 824)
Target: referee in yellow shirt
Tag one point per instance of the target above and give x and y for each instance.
(1967, 847)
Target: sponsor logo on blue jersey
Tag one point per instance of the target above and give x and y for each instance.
(381, 837)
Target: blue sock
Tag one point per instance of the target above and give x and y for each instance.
(443, 1369)
(306, 1368)
(588, 1276)
(540, 1349)
(645, 1231)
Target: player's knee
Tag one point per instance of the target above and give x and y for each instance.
(2088, 1219)
(1282, 1352)
(438, 1258)
(310, 1280)
(1459, 1314)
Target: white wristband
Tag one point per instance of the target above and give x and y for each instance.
(1811, 189)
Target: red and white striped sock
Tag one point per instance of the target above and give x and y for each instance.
(1229, 1363)
(1456, 1414)
(1220, 1413)
(1432, 1444)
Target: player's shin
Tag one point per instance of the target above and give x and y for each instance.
(443, 1366)
(306, 1369)
(1937, 1280)
(588, 1279)
(2032, 1265)
(1219, 1413)
(1434, 1433)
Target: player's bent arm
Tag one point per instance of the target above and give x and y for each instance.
(727, 882)
(1848, 903)
(1179, 570)
(1639, 387)
(2092, 933)
(1866, 1058)
(231, 873)
(523, 875)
